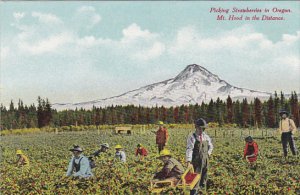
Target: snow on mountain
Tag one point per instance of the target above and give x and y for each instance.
(194, 84)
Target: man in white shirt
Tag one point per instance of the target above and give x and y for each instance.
(79, 166)
(199, 148)
(287, 128)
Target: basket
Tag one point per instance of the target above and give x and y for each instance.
(189, 179)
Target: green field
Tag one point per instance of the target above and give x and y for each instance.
(228, 172)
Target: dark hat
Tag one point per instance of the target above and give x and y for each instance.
(281, 112)
(200, 123)
(249, 139)
(76, 148)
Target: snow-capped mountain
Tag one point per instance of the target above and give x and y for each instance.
(193, 85)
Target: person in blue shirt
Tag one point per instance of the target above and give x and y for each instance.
(120, 154)
(79, 166)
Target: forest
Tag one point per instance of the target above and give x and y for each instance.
(244, 114)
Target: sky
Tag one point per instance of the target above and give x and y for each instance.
(72, 52)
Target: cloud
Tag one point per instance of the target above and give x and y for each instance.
(188, 38)
(91, 41)
(95, 19)
(291, 38)
(18, 15)
(136, 44)
(244, 41)
(83, 53)
(141, 45)
(50, 44)
(242, 50)
(185, 38)
(36, 38)
(84, 9)
(134, 32)
(4, 53)
(46, 17)
(89, 15)
(290, 61)
(154, 51)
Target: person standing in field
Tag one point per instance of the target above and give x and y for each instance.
(141, 152)
(120, 154)
(161, 136)
(251, 150)
(79, 166)
(287, 128)
(199, 148)
(22, 159)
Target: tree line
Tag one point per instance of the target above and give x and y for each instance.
(243, 113)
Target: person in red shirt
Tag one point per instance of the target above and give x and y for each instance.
(251, 150)
(161, 136)
(140, 152)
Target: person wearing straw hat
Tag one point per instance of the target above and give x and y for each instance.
(120, 154)
(79, 166)
(22, 159)
(161, 136)
(103, 149)
(251, 150)
(141, 152)
(287, 128)
(172, 169)
(199, 148)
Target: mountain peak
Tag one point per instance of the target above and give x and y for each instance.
(191, 70)
(195, 84)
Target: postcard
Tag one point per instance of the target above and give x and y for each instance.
(141, 97)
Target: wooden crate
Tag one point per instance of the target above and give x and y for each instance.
(119, 130)
(188, 181)
(159, 186)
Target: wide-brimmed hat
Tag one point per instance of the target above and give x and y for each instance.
(19, 152)
(200, 122)
(118, 146)
(164, 152)
(281, 112)
(160, 123)
(106, 145)
(76, 148)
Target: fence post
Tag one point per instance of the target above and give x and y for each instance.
(215, 132)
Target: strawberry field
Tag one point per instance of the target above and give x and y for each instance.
(228, 172)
